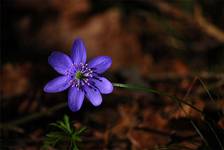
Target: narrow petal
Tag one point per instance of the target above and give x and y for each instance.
(100, 64)
(58, 84)
(78, 52)
(60, 62)
(93, 95)
(104, 85)
(75, 98)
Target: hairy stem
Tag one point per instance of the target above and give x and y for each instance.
(154, 91)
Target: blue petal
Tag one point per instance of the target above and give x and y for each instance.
(58, 84)
(100, 64)
(78, 52)
(60, 62)
(75, 98)
(93, 95)
(104, 85)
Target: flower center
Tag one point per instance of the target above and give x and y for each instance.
(79, 75)
(82, 76)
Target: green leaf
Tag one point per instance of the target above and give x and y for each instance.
(55, 134)
(83, 129)
(63, 133)
(61, 125)
(67, 123)
(74, 146)
(53, 138)
(75, 137)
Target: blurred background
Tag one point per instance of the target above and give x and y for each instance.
(163, 44)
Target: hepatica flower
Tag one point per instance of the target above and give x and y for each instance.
(82, 79)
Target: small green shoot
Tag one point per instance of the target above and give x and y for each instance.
(63, 133)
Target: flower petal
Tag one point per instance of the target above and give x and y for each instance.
(104, 85)
(60, 62)
(93, 95)
(75, 98)
(58, 84)
(100, 64)
(78, 52)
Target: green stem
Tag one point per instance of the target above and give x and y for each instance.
(154, 91)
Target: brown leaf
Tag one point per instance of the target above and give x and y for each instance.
(15, 79)
(145, 140)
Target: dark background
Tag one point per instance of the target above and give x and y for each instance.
(163, 44)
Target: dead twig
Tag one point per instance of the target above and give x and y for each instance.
(196, 21)
(12, 125)
(175, 76)
(206, 26)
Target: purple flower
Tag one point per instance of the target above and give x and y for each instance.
(82, 79)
